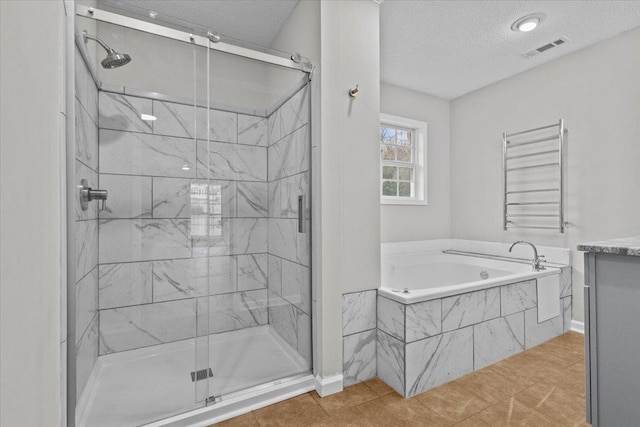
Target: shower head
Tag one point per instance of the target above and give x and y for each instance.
(113, 59)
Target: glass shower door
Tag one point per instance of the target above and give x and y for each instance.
(149, 276)
(256, 160)
(202, 287)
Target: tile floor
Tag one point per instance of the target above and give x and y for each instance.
(542, 387)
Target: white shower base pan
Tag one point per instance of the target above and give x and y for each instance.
(141, 386)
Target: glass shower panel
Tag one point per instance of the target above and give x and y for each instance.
(256, 160)
(150, 275)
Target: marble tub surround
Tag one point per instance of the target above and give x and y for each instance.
(359, 336)
(183, 241)
(470, 308)
(86, 226)
(358, 312)
(425, 344)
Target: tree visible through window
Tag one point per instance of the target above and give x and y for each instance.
(398, 161)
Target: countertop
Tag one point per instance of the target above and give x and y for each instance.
(624, 246)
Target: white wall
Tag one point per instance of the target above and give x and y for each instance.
(404, 222)
(597, 92)
(31, 153)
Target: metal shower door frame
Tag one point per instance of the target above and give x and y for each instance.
(183, 36)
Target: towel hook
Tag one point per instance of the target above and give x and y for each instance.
(353, 93)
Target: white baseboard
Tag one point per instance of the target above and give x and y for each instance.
(330, 385)
(577, 326)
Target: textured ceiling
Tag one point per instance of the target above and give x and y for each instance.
(251, 21)
(449, 48)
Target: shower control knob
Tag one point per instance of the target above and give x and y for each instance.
(88, 194)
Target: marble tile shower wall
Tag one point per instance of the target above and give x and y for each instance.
(425, 344)
(168, 258)
(288, 258)
(86, 228)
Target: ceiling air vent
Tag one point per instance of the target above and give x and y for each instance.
(546, 47)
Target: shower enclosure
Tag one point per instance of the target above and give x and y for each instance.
(190, 285)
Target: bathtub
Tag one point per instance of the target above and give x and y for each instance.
(411, 278)
(448, 308)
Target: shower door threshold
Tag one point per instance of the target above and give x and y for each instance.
(241, 402)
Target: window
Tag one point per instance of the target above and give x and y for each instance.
(402, 160)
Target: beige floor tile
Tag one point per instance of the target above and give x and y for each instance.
(246, 420)
(452, 401)
(573, 380)
(349, 418)
(555, 402)
(348, 398)
(393, 410)
(472, 422)
(299, 411)
(379, 387)
(556, 354)
(526, 369)
(489, 385)
(510, 412)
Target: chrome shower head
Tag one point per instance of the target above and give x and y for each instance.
(113, 59)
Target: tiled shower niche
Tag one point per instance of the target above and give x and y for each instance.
(172, 264)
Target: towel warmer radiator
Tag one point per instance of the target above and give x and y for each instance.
(526, 204)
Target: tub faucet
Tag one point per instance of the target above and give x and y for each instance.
(537, 259)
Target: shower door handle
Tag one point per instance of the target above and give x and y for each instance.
(302, 223)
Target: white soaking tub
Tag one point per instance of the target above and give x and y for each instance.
(449, 307)
(416, 277)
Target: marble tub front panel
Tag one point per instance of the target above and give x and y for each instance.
(425, 344)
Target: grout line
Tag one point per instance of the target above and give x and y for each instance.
(189, 138)
(356, 333)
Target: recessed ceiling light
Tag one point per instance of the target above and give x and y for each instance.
(148, 117)
(528, 23)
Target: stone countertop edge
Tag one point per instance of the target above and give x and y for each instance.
(629, 246)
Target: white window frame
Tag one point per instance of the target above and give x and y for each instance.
(420, 160)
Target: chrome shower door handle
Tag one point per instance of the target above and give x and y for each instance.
(302, 223)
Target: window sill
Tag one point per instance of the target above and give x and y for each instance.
(403, 202)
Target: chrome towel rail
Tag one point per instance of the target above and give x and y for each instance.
(541, 190)
(533, 141)
(552, 207)
(540, 153)
(541, 165)
(531, 130)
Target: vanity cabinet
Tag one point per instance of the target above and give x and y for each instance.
(612, 332)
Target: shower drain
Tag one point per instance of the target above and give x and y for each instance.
(201, 374)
